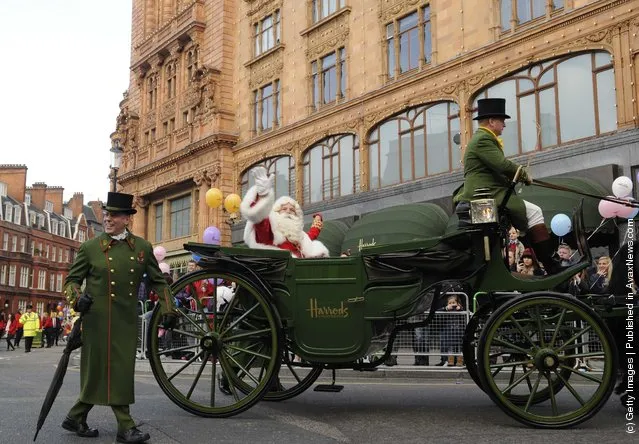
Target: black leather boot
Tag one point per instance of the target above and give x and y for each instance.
(544, 248)
(80, 428)
(133, 435)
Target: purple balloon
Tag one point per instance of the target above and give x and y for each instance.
(212, 236)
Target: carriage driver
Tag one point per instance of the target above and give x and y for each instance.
(486, 166)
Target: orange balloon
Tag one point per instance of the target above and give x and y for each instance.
(232, 203)
(214, 197)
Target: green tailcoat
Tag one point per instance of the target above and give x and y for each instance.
(113, 271)
(485, 166)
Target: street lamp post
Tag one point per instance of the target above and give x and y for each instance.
(116, 160)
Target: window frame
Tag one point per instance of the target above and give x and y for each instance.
(317, 9)
(274, 31)
(258, 107)
(393, 47)
(515, 22)
(173, 216)
(319, 73)
(271, 165)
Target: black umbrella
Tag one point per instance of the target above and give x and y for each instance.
(74, 341)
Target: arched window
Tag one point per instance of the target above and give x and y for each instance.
(331, 168)
(557, 101)
(170, 80)
(415, 143)
(284, 169)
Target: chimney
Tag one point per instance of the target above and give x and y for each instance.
(15, 176)
(96, 206)
(76, 203)
(38, 193)
(54, 195)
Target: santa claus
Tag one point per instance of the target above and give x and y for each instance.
(278, 224)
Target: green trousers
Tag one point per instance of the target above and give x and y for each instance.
(122, 414)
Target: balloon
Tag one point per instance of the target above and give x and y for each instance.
(196, 258)
(214, 198)
(232, 203)
(159, 252)
(622, 186)
(608, 209)
(164, 267)
(211, 236)
(626, 212)
(560, 224)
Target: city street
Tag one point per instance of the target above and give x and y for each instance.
(411, 407)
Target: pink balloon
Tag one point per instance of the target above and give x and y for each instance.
(164, 267)
(608, 209)
(625, 211)
(159, 252)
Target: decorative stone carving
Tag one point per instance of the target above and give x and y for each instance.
(205, 80)
(201, 178)
(140, 202)
(265, 69)
(262, 7)
(168, 109)
(150, 119)
(327, 37)
(389, 9)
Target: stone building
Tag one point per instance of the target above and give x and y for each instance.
(361, 105)
(39, 238)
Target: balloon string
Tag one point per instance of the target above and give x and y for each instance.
(603, 221)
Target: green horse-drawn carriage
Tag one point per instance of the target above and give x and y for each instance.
(309, 315)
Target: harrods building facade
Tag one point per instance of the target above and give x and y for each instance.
(355, 105)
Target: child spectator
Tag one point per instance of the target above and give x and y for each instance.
(514, 244)
(529, 264)
(452, 333)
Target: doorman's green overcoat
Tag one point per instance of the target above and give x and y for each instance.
(113, 271)
(485, 166)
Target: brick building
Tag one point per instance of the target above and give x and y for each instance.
(39, 238)
(356, 105)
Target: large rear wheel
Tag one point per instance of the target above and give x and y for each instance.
(228, 356)
(537, 338)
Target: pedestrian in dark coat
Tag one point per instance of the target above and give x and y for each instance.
(486, 166)
(112, 265)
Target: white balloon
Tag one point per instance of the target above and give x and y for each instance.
(622, 186)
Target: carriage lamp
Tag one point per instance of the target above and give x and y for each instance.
(483, 211)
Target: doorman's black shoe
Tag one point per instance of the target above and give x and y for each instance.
(80, 428)
(133, 435)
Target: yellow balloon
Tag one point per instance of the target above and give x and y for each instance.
(214, 197)
(232, 203)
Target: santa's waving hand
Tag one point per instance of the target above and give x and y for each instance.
(278, 224)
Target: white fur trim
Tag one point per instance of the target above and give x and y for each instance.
(251, 242)
(313, 248)
(260, 210)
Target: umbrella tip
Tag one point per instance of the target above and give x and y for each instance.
(36, 435)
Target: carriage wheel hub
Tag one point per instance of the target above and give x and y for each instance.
(546, 359)
(211, 343)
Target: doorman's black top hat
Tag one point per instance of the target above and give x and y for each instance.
(491, 108)
(120, 203)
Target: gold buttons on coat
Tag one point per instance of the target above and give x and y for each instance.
(132, 270)
(112, 270)
(130, 294)
(131, 282)
(112, 283)
(110, 258)
(112, 295)
(132, 258)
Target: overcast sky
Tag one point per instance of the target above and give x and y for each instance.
(65, 65)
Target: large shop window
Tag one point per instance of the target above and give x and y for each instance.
(408, 42)
(557, 101)
(331, 168)
(414, 144)
(181, 216)
(282, 167)
(522, 11)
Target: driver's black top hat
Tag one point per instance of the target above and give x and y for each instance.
(491, 108)
(119, 203)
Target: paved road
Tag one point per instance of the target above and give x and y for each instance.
(392, 409)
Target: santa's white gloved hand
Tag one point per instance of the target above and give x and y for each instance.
(263, 182)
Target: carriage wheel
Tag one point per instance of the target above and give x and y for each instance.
(471, 341)
(537, 338)
(241, 340)
(303, 378)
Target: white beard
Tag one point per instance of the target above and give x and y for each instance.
(288, 225)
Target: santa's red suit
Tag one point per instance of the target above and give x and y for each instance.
(266, 229)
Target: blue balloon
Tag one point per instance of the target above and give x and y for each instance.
(196, 258)
(634, 214)
(560, 224)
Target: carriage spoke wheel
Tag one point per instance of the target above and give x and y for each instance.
(297, 380)
(217, 362)
(471, 340)
(536, 340)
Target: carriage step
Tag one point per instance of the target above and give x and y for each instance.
(328, 388)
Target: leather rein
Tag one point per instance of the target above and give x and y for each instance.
(552, 186)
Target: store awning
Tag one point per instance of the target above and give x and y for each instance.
(332, 235)
(553, 202)
(396, 224)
